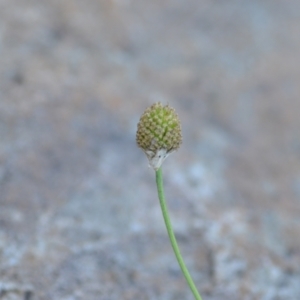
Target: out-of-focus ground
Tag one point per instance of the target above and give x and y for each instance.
(79, 215)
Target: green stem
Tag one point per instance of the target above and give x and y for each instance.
(160, 189)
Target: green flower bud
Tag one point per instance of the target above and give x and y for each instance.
(158, 133)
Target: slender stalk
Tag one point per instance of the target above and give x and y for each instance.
(160, 189)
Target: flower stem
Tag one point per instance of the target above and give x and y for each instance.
(160, 189)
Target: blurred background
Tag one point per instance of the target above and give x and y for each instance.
(79, 214)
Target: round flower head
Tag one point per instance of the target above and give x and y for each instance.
(158, 133)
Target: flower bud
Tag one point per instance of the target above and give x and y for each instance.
(158, 133)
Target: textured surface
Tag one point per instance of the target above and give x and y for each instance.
(79, 215)
(158, 133)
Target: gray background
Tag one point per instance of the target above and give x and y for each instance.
(79, 215)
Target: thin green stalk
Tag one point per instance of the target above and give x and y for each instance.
(160, 189)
